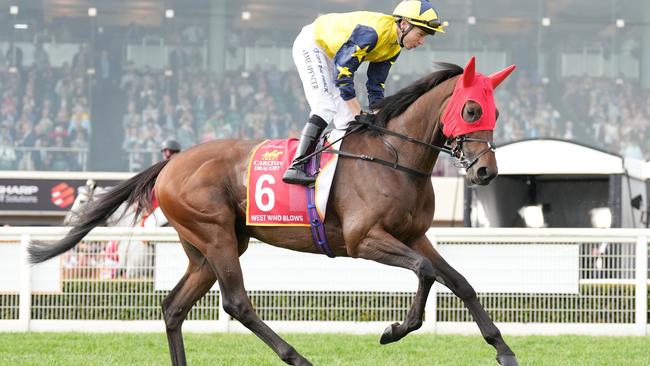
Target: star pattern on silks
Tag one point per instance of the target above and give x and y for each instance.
(343, 71)
(383, 86)
(360, 53)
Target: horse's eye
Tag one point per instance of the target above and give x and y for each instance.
(472, 112)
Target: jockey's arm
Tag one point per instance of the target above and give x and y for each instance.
(347, 60)
(377, 75)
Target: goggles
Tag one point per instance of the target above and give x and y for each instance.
(431, 25)
(434, 23)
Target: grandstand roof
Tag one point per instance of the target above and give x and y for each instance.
(290, 14)
(550, 156)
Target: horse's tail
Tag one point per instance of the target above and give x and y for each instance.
(137, 191)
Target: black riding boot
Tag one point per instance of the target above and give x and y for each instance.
(296, 173)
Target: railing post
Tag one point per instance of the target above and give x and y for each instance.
(84, 159)
(641, 291)
(25, 291)
(224, 317)
(430, 309)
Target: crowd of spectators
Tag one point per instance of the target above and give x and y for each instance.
(611, 115)
(194, 106)
(44, 111)
(47, 109)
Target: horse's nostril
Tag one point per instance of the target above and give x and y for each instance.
(483, 172)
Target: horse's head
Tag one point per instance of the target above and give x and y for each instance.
(469, 120)
(84, 194)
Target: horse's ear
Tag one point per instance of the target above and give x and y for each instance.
(470, 72)
(500, 76)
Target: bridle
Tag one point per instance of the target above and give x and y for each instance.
(458, 153)
(462, 161)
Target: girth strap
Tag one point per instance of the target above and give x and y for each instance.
(317, 226)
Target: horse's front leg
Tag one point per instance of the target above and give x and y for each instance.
(449, 277)
(382, 247)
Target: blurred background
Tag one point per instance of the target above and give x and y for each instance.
(98, 85)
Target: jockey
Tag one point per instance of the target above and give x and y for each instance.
(330, 50)
(169, 148)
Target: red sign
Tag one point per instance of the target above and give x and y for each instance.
(37, 195)
(63, 195)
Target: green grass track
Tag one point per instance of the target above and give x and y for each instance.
(237, 349)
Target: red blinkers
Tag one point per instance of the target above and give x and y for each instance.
(478, 88)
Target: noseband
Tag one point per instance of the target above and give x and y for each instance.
(457, 151)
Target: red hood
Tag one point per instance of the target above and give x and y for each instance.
(478, 88)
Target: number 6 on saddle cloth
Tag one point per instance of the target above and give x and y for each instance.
(271, 202)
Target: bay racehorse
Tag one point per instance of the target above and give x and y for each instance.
(375, 212)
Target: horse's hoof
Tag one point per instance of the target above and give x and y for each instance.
(507, 360)
(389, 334)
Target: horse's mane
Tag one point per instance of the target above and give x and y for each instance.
(394, 105)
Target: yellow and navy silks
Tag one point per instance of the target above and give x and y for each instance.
(351, 38)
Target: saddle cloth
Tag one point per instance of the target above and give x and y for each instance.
(270, 201)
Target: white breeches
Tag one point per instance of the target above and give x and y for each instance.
(316, 72)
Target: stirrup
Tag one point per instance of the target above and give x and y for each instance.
(295, 175)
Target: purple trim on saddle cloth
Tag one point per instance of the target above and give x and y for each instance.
(317, 226)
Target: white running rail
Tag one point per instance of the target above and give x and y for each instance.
(532, 281)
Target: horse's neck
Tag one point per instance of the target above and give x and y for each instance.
(419, 121)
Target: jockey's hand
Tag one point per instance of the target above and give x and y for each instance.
(354, 106)
(365, 117)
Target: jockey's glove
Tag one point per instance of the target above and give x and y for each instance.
(365, 117)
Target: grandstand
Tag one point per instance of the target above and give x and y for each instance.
(98, 90)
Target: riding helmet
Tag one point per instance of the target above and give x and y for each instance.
(421, 14)
(171, 145)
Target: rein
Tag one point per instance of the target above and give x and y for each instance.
(455, 152)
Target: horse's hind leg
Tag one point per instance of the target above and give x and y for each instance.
(449, 277)
(384, 248)
(198, 279)
(223, 256)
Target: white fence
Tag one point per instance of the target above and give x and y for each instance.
(547, 281)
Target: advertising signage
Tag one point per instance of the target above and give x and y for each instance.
(55, 195)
